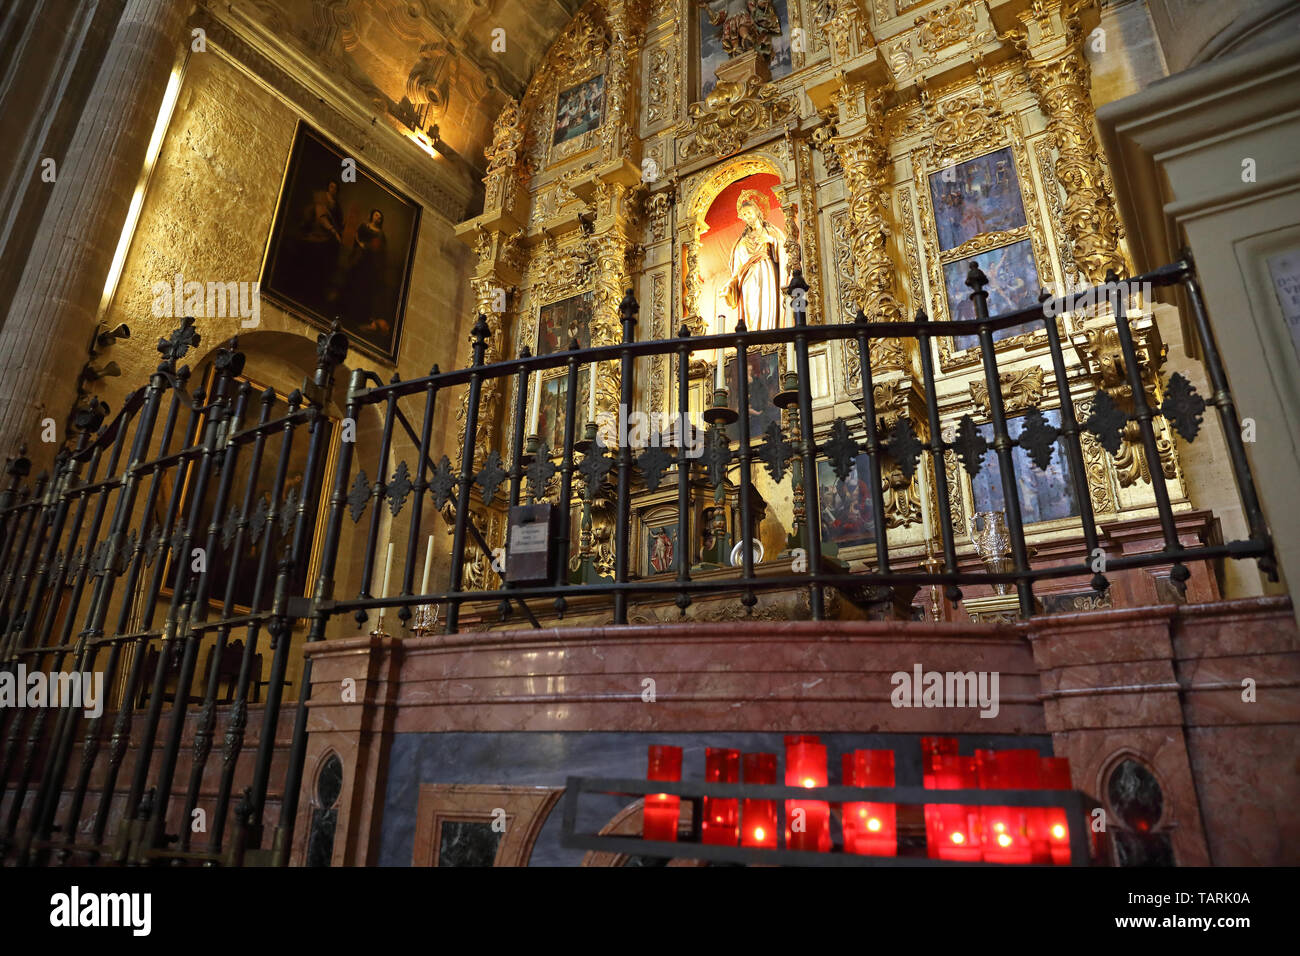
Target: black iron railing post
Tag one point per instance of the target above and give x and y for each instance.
(684, 544)
(1073, 447)
(798, 291)
(939, 467)
(331, 349)
(1115, 294)
(480, 334)
(748, 599)
(977, 280)
(872, 446)
(627, 311)
(1229, 421)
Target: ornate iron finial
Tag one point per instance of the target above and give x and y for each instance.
(229, 361)
(182, 339)
(861, 317)
(478, 335)
(976, 279)
(921, 316)
(331, 347)
(629, 307)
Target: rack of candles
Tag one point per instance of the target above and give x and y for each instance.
(1005, 807)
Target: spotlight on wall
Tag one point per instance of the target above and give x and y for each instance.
(108, 370)
(105, 336)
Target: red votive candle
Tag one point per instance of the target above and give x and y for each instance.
(1055, 775)
(805, 766)
(951, 830)
(932, 747)
(1007, 831)
(721, 822)
(759, 816)
(661, 809)
(870, 829)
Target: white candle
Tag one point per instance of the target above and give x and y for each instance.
(591, 393)
(388, 570)
(537, 404)
(428, 566)
(791, 360)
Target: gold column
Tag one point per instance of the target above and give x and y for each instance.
(863, 151)
(1051, 37)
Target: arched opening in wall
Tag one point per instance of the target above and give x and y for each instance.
(628, 822)
(1139, 821)
(324, 810)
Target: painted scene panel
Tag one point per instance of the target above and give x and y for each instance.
(1044, 495)
(847, 510)
(579, 109)
(1013, 284)
(978, 196)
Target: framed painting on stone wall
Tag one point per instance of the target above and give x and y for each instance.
(341, 246)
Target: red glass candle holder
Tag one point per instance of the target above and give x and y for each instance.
(870, 829)
(952, 830)
(759, 816)
(932, 747)
(661, 809)
(721, 824)
(807, 822)
(1008, 833)
(1055, 775)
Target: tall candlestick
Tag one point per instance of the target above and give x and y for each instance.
(428, 566)
(537, 404)
(388, 570)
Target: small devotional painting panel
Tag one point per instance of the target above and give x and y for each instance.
(1013, 284)
(579, 109)
(975, 197)
(1045, 495)
(764, 383)
(341, 246)
(847, 510)
(559, 323)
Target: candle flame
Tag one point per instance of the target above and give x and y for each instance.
(873, 824)
(1058, 831)
(959, 837)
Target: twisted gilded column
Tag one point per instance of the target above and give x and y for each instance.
(1052, 44)
(864, 155)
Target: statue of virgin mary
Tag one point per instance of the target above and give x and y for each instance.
(757, 266)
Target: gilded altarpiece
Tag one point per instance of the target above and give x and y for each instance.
(882, 147)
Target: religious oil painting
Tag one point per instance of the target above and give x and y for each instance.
(742, 261)
(661, 549)
(978, 196)
(732, 28)
(1044, 495)
(552, 406)
(847, 510)
(342, 246)
(1013, 284)
(578, 109)
(561, 322)
(764, 383)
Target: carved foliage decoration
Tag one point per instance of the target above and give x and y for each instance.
(733, 112)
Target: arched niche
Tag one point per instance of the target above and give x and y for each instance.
(700, 198)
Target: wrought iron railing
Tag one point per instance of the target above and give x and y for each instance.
(95, 556)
